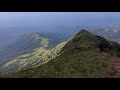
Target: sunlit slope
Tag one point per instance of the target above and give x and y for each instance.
(38, 57)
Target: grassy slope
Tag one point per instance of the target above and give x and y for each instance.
(82, 64)
(80, 57)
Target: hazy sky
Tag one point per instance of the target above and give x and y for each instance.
(57, 18)
(34, 20)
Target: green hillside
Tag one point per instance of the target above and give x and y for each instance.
(85, 55)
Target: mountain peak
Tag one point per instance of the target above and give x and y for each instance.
(83, 32)
(85, 40)
(78, 57)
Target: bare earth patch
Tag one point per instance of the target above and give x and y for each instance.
(115, 61)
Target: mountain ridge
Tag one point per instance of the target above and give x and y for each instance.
(83, 55)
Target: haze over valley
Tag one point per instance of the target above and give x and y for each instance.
(14, 24)
(59, 44)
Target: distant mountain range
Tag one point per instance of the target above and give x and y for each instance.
(85, 55)
(28, 43)
(111, 33)
(10, 34)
